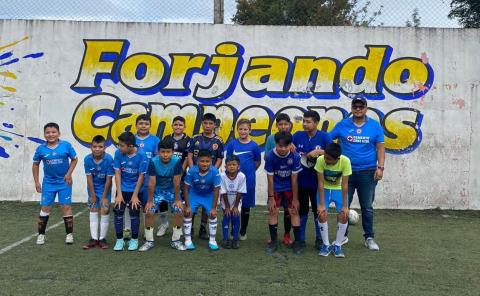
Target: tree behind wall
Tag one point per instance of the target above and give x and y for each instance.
(304, 13)
(467, 12)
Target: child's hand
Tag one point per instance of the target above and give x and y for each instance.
(213, 213)
(68, 179)
(378, 174)
(148, 206)
(227, 211)
(343, 215)
(178, 204)
(119, 200)
(104, 203)
(38, 187)
(271, 205)
(235, 211)
(135, 202)
(295, 204)
(93, 199)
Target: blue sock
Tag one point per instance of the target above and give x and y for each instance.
(225, 226)
(118, 214)
(135, 220)
(317, 227)
(236, 226)
(303, 225)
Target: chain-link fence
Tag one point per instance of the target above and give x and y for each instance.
(422, 13)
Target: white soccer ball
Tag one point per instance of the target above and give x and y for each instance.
(353, 217)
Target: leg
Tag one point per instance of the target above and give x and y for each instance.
(352, 185)
(65, 201)
(163, 210)
(226, 227)
(323, 219)
(312, 193)
(303, 198)
(365, 190)
(203, 225)
(104, 221)
(177, 229)
(245, 217)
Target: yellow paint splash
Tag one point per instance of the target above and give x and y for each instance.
(13, 43)
(8, 88)
(8, 74)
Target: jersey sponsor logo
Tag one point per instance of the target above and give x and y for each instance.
(54, 161)
(175, 146)
(283, 173)
(129, 170)
(358, 139)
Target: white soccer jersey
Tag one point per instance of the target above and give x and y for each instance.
(231, 187)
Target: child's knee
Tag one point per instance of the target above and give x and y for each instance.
(46, 209)
(212, 215)
(342, 217)
(323, 217)
(66, 209)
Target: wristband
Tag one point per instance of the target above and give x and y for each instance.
(381, 168)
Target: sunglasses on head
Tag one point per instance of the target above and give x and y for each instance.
(358, 107)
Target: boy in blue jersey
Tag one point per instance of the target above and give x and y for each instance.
(250, 158)
(284, 124)
(333, 171)
(149, 145)
(180, 142)
(165, 171)
(99, 170)
(57, 179)
(310, 144)
(207, 140)
(201, 189)
(282, 167)
(130, 164)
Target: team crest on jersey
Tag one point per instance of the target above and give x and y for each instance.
(318, 147)
(359, 131)
(202, 181)
(290, 161)
(54, 153)
(129, 163)
(231, 186)
(141, 145)
(99, 168)
(215, 146)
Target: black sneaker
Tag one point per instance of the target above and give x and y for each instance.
(318, 244)
(272, 247)
(235, 244)
(227, 244)
(298, 248)
(202, 234)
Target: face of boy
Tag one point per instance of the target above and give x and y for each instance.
(232, 167)
(143, 127)
(284, 126)
(330, 160)
(208, 126)
(178, 127)
(51, 135)
(204, 163)
(165, 155)
(98, 149)
(282, 149)
(243, 131)
(124, 148)
(309, 125)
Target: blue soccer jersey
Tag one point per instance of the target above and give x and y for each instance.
(164, 172)
(99, 171)
(149, 144)
(282, 169)
(130, 167)
(55, 161)
(304, 144)
(203, 184)
(359, 143)
(201, 142)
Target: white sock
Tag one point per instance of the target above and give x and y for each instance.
(163, 218)
(324, 233)
(94, 225)
(149, 234)
(127, 224)
(177, 233)
(341, 228)
(212, 228)
(187, 229)
(104, 220)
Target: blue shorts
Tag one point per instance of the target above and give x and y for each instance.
(205, 201)
(98, 194)
(50, 191)
(332, 195)
(161, 196)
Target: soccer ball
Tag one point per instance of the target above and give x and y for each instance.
(353, 217)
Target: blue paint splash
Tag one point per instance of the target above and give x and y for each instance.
(36, 140)
(10, 62)
(7, 125)
(12, 133)
(6, 55)
(11, 109)
(16, 146)
(34, 55)
(3, 153)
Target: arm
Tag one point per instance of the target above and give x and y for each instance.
(68, 176)
(345, 193)
(190, 159)
(91, 190)
(138, 185)
(213, 212)
(177, 180)
(237, 202)
(118, 182)
(108, 188)
(271, 198)
(381, 161)
(227, 204)
(321, 189)
(257, 164)
(35, 172)
(218, 163)
(186, 198)
(152, 180)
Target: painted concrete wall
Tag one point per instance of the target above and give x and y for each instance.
(95, 78)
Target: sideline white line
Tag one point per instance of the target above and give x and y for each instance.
(26, 239)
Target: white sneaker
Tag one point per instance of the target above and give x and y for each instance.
(243, 237)
(371, 244)
(146, 246)
(162, 229)
(41, 239)
(178, 245)
(344, 242)
(69, 239)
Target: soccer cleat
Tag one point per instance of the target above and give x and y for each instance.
(318, 244)
(146, 246)
(212, 245)
(243, 237)
(298, 248)
(127, 234)
(337, 251)
(202, 234)
(133, 244)
(41, 239)
(371, 244)
(162, 229)
(190, 246)
(344, 241)
(235, 244)
(69, 239)
(272, 247)
(92, 243)
(178, 245)
(287, 240)
(103, 244)
(325, 250)
(119, 245)
(227, 244)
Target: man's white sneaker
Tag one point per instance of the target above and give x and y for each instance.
(371, 244)
(162, 229)
(41, 239)
(69, 239)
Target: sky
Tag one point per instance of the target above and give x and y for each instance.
(433, 13)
